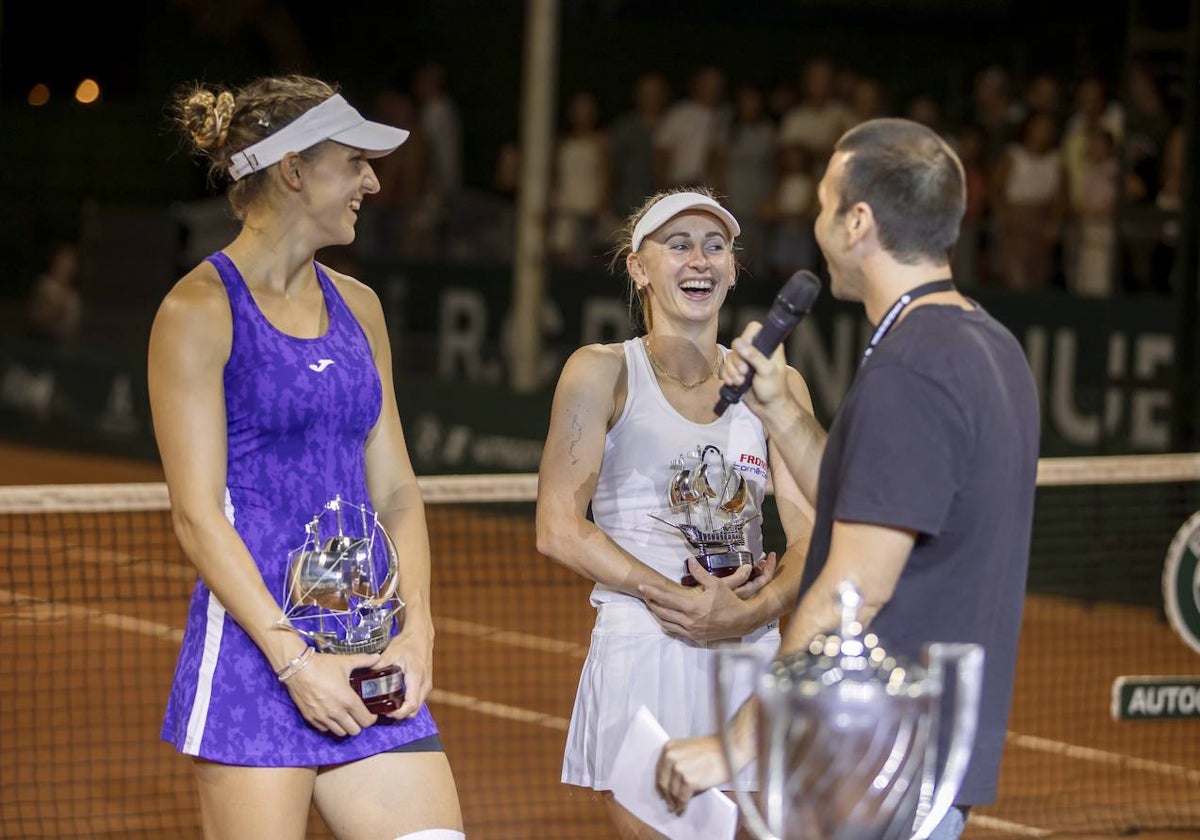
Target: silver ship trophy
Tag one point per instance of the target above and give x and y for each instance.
(341, 595)
(848, 736)
(711, 506)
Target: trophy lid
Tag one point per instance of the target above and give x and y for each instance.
(846, 659)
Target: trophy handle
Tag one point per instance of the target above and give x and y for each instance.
(391, 583)
(968, 659)
(754, 820)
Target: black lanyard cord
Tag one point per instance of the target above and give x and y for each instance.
(889, 320)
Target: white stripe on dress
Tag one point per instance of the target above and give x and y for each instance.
(213, 629)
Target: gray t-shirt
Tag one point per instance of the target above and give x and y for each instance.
(939, 434)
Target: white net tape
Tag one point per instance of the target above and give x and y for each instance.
(88, 498)
(522, 487)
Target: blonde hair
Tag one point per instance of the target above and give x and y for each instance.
(217, 122)
(640, 311)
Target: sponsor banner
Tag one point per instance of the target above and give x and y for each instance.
(1155, 698)
(452, 428)
(83, 400)
(1103, 367)
(1181, 582)
(92, 402)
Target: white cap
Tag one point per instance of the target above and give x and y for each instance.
(668, 207)
(333, 119)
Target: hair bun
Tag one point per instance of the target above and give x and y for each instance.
(207, 116)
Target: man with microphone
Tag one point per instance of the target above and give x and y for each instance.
(924, 485)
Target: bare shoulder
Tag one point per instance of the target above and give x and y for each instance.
(597, 365)
(594, 381)
(197, 306)
(363, 302)
(360, 297)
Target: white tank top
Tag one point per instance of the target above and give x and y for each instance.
(1033, 179)
(636, 471)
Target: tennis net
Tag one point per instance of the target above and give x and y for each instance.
(94, 591)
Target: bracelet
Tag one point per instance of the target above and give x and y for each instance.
(295, 666)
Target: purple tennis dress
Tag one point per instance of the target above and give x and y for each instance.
(298, 411)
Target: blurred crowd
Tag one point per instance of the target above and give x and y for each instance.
(1070, 183)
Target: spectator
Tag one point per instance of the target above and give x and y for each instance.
(54, 308)
(819, 119)
(792, 211)
(927, 111)
(866, 100)
(1044, 95)
(744, 170)
(1148, 124)
(582, 183)
(924, 109)
(632, 141)
(1095, 219)
(994, 109)
(780, 99)
(442, 126)
(1169, 202)
(1028, 199)
(845, 81)
(971, 251)
(508, 170)
(1093, 111)
(690, 129)
(398, 221)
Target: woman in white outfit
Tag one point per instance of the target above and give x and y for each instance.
(628, 420)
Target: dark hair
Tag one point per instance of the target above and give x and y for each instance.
(217, 122)
(913, 182)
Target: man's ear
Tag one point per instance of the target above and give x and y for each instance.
(860, 223)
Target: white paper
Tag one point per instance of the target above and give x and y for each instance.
(710, 815)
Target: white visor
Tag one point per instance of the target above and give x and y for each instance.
(333, 119)
(665, 209)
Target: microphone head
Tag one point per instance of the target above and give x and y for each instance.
(799, 293)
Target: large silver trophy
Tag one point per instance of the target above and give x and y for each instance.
(341, 594)
(711, 505)
(848, 736)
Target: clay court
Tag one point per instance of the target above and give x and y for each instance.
(91, 613)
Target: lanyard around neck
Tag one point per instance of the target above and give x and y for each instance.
(889, 320)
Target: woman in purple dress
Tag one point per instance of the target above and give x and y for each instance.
(271, 388)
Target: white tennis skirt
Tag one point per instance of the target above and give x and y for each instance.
(633, 663)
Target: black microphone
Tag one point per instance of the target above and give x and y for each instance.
(790, 305)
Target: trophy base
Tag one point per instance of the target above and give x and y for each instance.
(722, 565)
(381, 689)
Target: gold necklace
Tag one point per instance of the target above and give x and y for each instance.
(687, 386)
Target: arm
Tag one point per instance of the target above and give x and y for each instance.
(190, 342)
(719, 612)
(911, 424)
(786, 413)
(392, 485)
(585, 402)
(870, 556)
